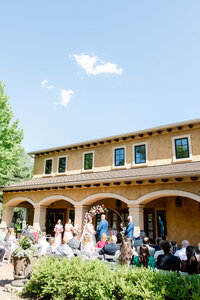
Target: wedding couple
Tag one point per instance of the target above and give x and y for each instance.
(102, 228)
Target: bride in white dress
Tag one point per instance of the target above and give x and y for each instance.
(89, 228)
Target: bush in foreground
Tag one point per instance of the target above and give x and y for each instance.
(77, 279)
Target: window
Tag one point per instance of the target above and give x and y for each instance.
(140, 154)
(88, 161)
(119, 157)
(62, 164)
(182, 148)
(48, 166)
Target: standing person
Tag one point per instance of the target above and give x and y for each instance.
(103, 227)
(160, 227)
(68, 230)
(58, 233)
(129, 229)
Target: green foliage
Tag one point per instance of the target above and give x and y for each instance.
(77, 279)
(26, 248)
(10, 139)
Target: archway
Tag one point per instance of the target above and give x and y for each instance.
(180, 216)
(57, 207)
(117, 209)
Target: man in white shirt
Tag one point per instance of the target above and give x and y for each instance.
(64, 249)
(182, 252)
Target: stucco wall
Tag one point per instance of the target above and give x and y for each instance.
(159, 153)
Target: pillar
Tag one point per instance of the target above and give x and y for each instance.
(39, 217)
(80, 211)
(136, 211)
(7, 216)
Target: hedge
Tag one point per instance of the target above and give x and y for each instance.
(77, 279)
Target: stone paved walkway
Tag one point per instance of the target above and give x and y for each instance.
(6, 276)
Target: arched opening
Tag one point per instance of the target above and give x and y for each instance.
(175, 217)
(57, 207)
(117, 213)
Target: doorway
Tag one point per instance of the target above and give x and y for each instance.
(149, 223)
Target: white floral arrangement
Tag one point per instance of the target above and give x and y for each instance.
(95, 210)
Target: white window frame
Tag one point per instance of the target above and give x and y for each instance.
(61, 156)
(113, 164)
(146, 151)
(177, 137)
(48, 158)
(83, 164)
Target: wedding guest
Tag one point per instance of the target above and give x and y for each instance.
(125, 254)
(139, 240)
(174, 247)
(86, 244)
(36, 234)
(51, 248)
(144, 258)
(58, 233)
(198, 256)
(119, 238)
(190, 265)
(182, 252)
(74, 243)
(151, 249)
(111, 248)
(102, 242)
(64, 249)
(156, 247)
(11, 242)
(167, 261)
(159, 252)
(68, 230)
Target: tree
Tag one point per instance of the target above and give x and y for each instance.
(11, 136)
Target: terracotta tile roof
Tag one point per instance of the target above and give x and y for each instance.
(171, 170)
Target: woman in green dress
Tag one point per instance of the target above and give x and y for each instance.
(143, 259)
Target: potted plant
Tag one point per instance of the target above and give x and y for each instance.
(23, 259)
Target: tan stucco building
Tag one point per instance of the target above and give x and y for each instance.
(146, 174)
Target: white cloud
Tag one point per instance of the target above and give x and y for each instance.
(65, 97)
(44, 84)
(93, 65)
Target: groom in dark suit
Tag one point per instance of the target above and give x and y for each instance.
(103, 227)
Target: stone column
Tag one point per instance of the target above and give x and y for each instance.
(7, 216)
(39, 217)
(137, 213)
(80, 211)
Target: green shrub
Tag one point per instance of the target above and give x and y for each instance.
(77, 279)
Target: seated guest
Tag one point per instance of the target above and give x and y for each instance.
(174, 247)
(87, 244)
(139, 240)
(3, 236)
(102, 242)
(151, 249)
(198, 256)
(125, 254)
(11, 242)
(30, 233)
(51, 249)
(64, 249)
(156, 247)
(167, 261)
(159, 252)
(143, 258)
(190, 265)
(182, 252)
(119, 238)
(74, 243)
(111, 248)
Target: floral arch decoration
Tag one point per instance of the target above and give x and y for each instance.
(95, 210)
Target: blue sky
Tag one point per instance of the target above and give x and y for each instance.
(112, 66)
